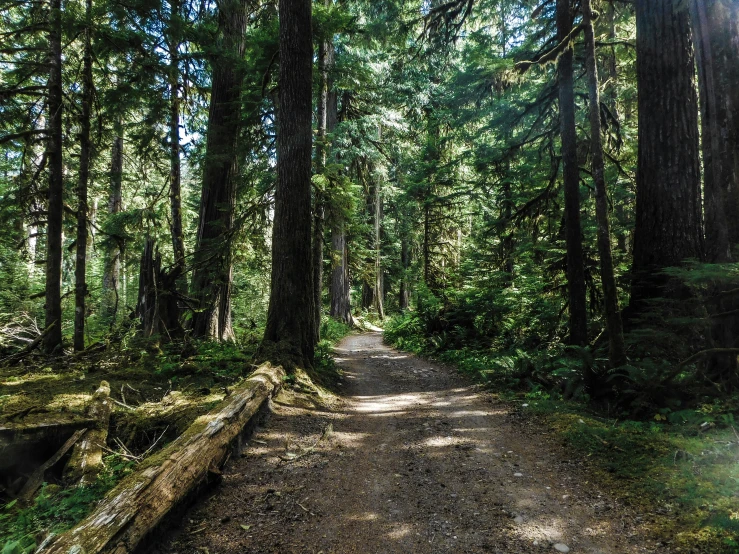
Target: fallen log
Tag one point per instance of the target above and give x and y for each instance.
(86, 461)
(134, 508)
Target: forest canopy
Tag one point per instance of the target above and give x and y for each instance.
(550, 185)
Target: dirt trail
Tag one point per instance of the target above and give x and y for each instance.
(419, 461)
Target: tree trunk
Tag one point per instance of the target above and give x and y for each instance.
(427, 244)
(326, 124)
(378, 294)
(157, 301)
(175, 174)
(112, 264)
(80, 282)
(291, 314)
(212, 277)
(53, 309)
(716, 32)
(340, 284)
(129, 513)
(368, 295)
(404, 295)
(617, 349)
(571, 173)
(668, 199)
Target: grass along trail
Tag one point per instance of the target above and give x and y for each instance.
(416, 460)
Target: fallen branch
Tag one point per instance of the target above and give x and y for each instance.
(133, 509)
(292, 457)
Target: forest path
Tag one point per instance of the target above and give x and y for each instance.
(419, 461)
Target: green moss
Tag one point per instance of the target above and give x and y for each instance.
(690, 479)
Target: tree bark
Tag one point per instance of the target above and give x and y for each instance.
(340, 284)
(175, 173)
(378, 294)
(291, 313)
(716, 32)
(326, 125)
(53, 309)
(614, 327)
(157, 300)
(212, 277)
(571, 173)
(80, 282)
(112, 270)
(405, 263)
(668, 199)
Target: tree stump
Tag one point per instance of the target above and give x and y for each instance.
(87, 457)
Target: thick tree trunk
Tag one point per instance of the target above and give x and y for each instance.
(668, 198)
(80, 281)
(716, 32)
(291, 314)
(212, 277)
(617, 349)
(571, 173)
(133, 509)
(53, 309)
(112, 269)
(175, 173)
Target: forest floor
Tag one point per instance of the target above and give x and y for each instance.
(409, 458)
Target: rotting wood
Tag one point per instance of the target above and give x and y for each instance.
(37, 477)
(87, 457)
(139, 503)
(20, 441)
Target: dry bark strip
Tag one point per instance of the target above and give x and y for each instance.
(137, 505)
(87, 457)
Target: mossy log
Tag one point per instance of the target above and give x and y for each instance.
(133, 509)
(86, 461)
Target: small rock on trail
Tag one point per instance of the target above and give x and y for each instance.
(419, 461)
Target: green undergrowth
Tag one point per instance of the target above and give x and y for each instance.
(159, 388)
(678, 465)
(54, 510)
(683, 475)
(325, 372)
